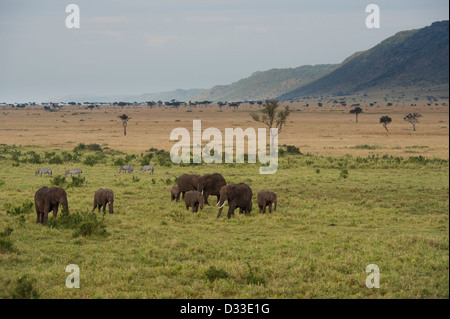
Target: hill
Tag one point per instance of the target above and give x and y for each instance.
(410, 59)
(266, 84)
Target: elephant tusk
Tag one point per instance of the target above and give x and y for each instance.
(222, 205)
(217, 204)
(202, 192)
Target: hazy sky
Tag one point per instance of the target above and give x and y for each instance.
(137, 46)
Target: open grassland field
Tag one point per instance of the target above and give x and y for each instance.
(358, 196)
(323, 131)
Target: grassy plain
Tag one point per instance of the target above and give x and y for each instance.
(390, 210)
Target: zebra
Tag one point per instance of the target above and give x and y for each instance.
(41, 171)
(127, 168)
(73, 171)
(147, 168)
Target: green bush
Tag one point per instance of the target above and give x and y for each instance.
(84, 224)
(77, 181)
(212, 274)
(25, 288)
(56, 160)
(6, 244)
(58, 180)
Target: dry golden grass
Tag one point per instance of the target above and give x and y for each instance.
(325, 131)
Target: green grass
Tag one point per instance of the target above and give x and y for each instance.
(388, 211)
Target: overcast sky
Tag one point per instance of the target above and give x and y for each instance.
(146, 46)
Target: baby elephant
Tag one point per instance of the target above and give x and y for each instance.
(267, 198)
(101, 198)
(193, 199)
(174, 193)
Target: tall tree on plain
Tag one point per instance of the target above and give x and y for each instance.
(412, 118)
(357, 110)
(385, 120)
(125, 118)
(271, 117)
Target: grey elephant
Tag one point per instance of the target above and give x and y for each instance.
(186, 182)
(103, 197)
(210, 184)
(238, 195)
(193, 199)
(174, 193)
(48, 199)
(267, 198)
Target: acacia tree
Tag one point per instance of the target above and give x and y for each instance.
(385, 120)
(357, 110)
(125, 118)
(271, 117)
(412, 118)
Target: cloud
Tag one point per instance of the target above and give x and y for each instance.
(251, 28)
(114, 34)
(110, 19)
(158, 40)
(207, 19)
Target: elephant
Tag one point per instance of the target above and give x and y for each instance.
(238, 195)
(210, 184)
(186, 182)
(48, 199)
(103, 197)
(267, 198)
(193, 199)
(174, 192)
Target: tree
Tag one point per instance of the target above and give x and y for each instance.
(357, 110)
(412, 118)
(271, 117)
(385, 120)
(125, 118)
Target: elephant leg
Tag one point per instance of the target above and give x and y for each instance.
(260, 208)
(264, 208)
(205, 197)
(55, 211)
(38, 217)
(182, 195)
(241, 210)
(270, 208)
(104, 208)
(45, 218)
(95, 206)
(187, 206)
(231, 209)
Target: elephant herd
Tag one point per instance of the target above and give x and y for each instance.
(195, 190)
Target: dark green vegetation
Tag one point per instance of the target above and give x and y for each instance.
(335, 216)
(410, 59)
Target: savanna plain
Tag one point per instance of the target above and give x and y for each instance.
(355, 195)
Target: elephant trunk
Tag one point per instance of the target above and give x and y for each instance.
(111, 209)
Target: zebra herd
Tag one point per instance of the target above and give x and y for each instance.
(76, 171)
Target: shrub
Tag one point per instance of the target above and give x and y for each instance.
(344, 173)
(91, 160)
(212, 274)
(253, 279)
(35, 158)
(84, 224)
(120, 162)
(77, 181)
(58, 180)
(6, 244)
(25, 288)
(20, 211)
(56, 160)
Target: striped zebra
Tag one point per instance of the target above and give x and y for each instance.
(127, 168)
(41, 171)
(73, 171)
(147, 168)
